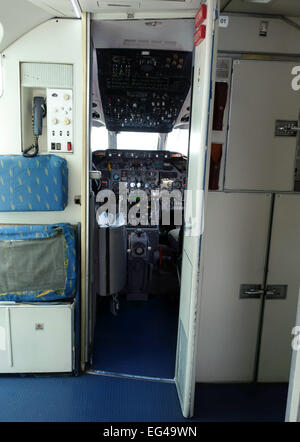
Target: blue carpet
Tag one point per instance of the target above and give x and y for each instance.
(241, 402)
(87, 398)
(140, 340)
(90, 398)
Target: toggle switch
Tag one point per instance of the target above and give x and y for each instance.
(69, 146)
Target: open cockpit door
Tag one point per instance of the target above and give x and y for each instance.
(194, 205)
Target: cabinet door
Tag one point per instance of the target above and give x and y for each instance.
(261, 93)
(235, 244)
(36, 339)
(280, 314)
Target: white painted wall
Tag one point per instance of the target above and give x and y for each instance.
(242, 35)
(56, 41)
(18, 17)
(293, 401)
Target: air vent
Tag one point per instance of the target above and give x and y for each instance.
(149, 44)
(223, 69)
(128, 4)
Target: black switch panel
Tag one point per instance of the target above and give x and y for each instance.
(143, 90)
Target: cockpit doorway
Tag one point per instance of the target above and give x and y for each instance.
(145, 260)
(139, 144)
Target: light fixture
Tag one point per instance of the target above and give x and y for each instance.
(257, 1)
(76, 8)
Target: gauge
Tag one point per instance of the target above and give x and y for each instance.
(138, 185)
(132, 185)
(177, 185)
(116, 176)
(139, 250)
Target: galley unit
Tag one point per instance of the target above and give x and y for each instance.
(39, 218)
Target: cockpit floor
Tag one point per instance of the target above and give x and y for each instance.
(141, 340)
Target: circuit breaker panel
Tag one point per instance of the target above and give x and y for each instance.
(60, 120)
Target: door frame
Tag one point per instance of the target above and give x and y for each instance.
(206, 68)
(86, 295)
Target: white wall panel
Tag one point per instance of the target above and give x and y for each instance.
(242, 35)
(235, 241)
(56, 41)
(293, 401)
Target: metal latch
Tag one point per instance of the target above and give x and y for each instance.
(255, 291)
(276, 291)
(286, 128)
(251, 291)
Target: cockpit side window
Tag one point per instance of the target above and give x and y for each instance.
(138, 140)
(178, 141)
(99, 138)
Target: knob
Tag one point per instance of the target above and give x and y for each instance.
(55, 121)
(67, 121)
(66, 97)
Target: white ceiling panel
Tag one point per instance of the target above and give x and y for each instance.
(95, 6)
(158, 34)
(277, 7)
(18, 17)
(60, 8)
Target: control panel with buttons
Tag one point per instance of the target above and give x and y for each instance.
(60, 120)
(143, 90)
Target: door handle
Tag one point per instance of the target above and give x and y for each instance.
(276, 291)
(251, 291)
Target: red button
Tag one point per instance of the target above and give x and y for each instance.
(69, 146)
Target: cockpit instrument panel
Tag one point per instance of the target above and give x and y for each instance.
(141, 169)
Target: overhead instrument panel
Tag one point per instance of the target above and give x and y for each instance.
(143, 90)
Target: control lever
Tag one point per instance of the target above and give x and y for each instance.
(95, 175)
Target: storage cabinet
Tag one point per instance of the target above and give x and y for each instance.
(284, 269)
(36, 338)
(257, 159)
(235, 244)
(237, 229)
